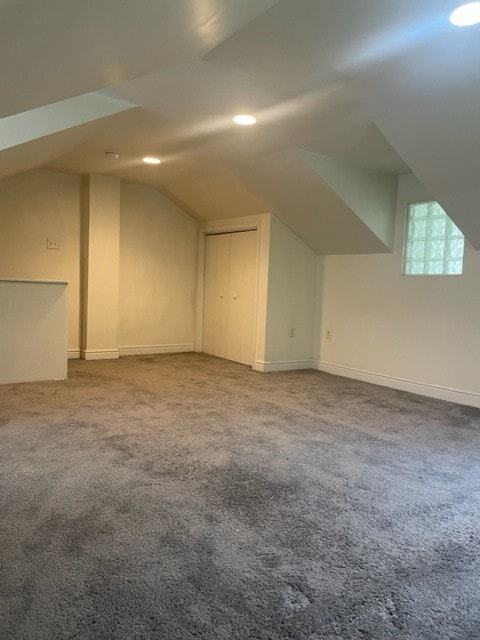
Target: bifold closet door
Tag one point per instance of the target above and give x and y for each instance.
(215, 315)
(242, 298)
(231, 274)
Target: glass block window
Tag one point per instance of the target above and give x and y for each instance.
(434, 244)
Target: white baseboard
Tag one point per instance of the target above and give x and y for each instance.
(156, 348)
(423, 389)
(99, 354)
(289, 365)
(73, 354)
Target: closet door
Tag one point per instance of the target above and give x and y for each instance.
(242, 298)
(217, 274)
(231, 273)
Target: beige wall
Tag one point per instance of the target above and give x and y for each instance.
(418, 333)
(100, 250)
(290, 300)
(158, 249)
(158, 271)
(34, 206)
(422, 330)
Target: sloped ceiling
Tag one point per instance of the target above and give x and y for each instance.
(446, 156)
(347, 96)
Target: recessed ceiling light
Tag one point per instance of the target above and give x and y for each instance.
(113, 155)
(151, 160)
(244, 120)
(466, 15)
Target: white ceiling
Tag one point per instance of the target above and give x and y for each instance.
(379, 87)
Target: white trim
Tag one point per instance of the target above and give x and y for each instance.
(28, 281)
(230, 225)
(73, 354)
(156, 348)
(99, 354)
(289, 365)
(448, 394)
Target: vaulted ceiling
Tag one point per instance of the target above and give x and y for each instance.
(347, 95)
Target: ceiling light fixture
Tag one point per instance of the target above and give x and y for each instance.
(466, 15)
(151, 160)
(244, 120)
(113, 155)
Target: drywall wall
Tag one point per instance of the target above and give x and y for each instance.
(154, 262)
(33, 330)
(371, 195)
(35, 206)
(419, 333)
(290, 301)
(100, 266)
(158, 273)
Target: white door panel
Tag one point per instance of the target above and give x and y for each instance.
(231, 273)
(217, 269)
(242, 301)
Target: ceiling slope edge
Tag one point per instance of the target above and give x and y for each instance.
(309, 206)
(28, 126)
(371, 195)
(442, 148)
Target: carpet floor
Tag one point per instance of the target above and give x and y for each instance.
(186, 497)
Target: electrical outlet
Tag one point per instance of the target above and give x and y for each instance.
(292, 332)
(329, 334)
(53, 243)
